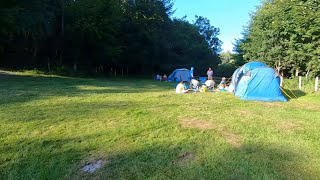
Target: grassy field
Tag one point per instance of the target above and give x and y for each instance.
(51, 127)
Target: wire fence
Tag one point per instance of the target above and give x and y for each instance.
(307, 85)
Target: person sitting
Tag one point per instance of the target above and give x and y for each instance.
(210, 84)
(223, 81)
(180, 89)
(194, 84)
(164, 77)
(222, 87)
(158, 77)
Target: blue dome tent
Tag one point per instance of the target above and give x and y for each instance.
(257, 81)
(180, 75)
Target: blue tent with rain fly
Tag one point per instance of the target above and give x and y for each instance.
(257, 81)
(180, 75)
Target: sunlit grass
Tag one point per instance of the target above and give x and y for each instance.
(50, 127)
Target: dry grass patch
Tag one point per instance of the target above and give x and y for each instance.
(231, 138)
(244, 112)
(197, 124)
(272, 104)
(288, 126)
(308, 106)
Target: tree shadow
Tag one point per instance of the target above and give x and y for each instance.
(19, 89)
(63, 158)
(162, 162)
(40, 158)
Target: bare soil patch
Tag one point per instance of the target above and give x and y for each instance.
(233, 139)
(93, 166)
(196, 123)
(288, 126)
(185, 158)
(272, 104)
(244, 112)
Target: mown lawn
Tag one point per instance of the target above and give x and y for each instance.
(50, 127)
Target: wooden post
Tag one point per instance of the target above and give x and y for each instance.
(115, 72)
(281, 81)
(122, 71)
(300, 82)
(317, 84)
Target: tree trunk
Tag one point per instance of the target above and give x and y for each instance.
(34, 55)
(127, 70)
(49, 68)
(62, 30)
(307, 74)
(62, 18)
(297, 72)
(75, 67)
(122, 71)
(60, 57)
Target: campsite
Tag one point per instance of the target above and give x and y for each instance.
(159, 89)
(141, 126)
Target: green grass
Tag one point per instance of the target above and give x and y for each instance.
(51, 126)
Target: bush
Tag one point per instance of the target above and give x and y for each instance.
(225, 70)
(293, 84)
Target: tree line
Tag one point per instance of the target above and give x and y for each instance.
(285, 34)
(104, 36)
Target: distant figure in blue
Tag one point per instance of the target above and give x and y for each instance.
(191, 72)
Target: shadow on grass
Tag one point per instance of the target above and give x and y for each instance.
(19, 89)
(249, 162)
(39, 159)
(293, 94)
(62, 158)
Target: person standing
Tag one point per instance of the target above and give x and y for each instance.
(191, 72)
(209, 73)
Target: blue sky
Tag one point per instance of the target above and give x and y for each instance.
(228, 15)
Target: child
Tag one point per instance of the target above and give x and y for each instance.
(223, 81)
(158, 77)
(222, 87)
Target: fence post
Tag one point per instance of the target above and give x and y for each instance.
(317, 84)
(281, 81)
(300, 82)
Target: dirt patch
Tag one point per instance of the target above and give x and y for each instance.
(272, 104)
(184, 158)
(308, 106)
(288, 126)
(93, 166)
(196, 123)
(245, 112)
(231, 138)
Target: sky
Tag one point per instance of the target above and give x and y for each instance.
(230, 16)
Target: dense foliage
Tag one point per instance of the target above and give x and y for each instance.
(103, 36)
(284, 34)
